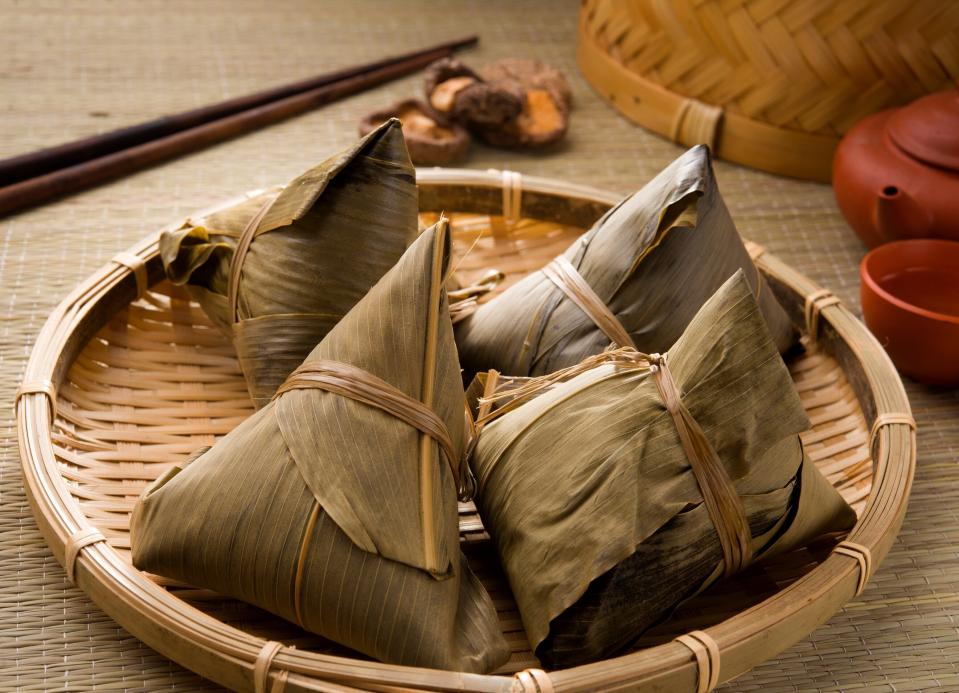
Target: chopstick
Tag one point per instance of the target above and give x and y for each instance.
(130, 149)
(33, 164)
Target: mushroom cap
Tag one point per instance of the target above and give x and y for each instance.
(487, 105)
(445, 69)
(431, 139)
(530, 74)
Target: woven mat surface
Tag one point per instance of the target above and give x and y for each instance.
(74, 69)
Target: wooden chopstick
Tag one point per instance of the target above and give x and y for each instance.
(127, 153)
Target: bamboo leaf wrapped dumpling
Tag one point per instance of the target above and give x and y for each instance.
(653, 260)
(335, 505)
(277, 272)
(608, 509)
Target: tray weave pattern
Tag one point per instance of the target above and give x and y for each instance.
(159, 381)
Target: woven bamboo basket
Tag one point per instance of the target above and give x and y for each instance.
(772, 84)
(128, 377)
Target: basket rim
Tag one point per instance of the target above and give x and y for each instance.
(227, 654)
(734, 136)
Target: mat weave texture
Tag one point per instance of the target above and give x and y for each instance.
(71, 69)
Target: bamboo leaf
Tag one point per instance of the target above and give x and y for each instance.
(654, 260)
(314, 507)
(592, 504)
(319, 245)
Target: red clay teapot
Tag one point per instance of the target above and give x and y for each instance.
(896, 173)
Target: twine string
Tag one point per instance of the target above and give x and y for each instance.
(136, 265)
(696, 122)
(707, 655)
(512, 197)
(75, 543)
(814, 305)
(262, 666)
(362, 386)
(44, 387)
(719, 494)
(863, 556)
(722, 502)
(532, 681)
(889, 419)
(568, 279)
(239, 255)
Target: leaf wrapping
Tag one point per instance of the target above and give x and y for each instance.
(318, 246)
(591, 501)
(654, 260)
(314, 507)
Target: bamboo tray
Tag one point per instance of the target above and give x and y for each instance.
(128, 376)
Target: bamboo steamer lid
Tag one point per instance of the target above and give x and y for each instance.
(769, 84)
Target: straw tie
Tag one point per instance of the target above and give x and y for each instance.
(239, 255)
(532, 681)
(362, 386)
(695, 122)
(890, 419)
(722, 502)
(815, 303)
(568, 279)
(755, 250)
(465, 300)
(707, 656)
(136, 265)
(863, 556)
(512, 197)
(262, 666)
(74, 544)
(43, 387)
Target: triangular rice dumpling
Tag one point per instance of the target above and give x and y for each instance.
(589, 490)
(335, 505)
(652, 260)
(276, 272)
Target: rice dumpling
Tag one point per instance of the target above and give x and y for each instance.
(652, 261)
(629, 483)
(335, 505)
(278, 271)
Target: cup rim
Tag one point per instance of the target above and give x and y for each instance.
(866, 277)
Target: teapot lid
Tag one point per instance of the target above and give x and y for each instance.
(928, 129)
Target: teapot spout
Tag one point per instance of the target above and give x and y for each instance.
(897, 215)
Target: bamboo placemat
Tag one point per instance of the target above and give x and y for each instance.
(71, 69)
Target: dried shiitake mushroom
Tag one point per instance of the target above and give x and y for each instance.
(513, 103)
(453, 89)
(530, 75)
(431, 139)
(546, 102)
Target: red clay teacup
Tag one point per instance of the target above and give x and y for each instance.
(910, 300)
